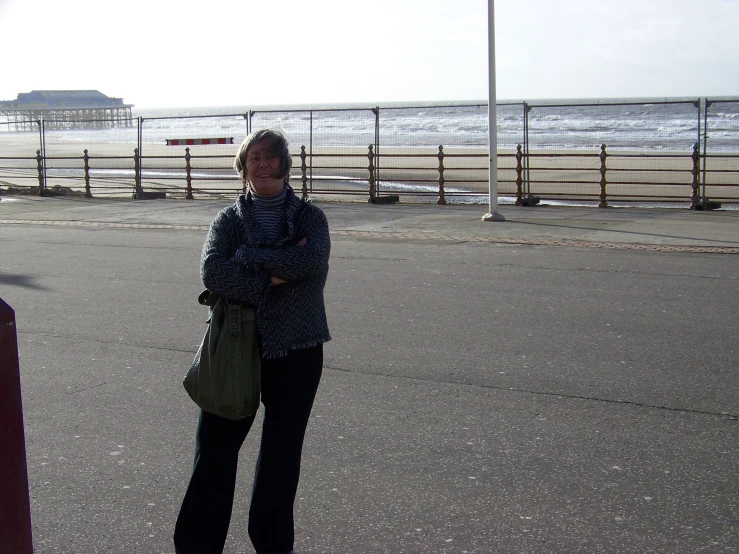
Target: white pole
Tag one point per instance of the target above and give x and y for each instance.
(492, 214)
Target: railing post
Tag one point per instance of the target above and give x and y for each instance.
(696, 156)
(371, 168)
(519, 175)
(304, 172)
(15, 506)
(137, 173)
(40, 167)
(188, 171)
(88, 192)
(441, 199)
(42, 127)
(603, 156)
(376, 111)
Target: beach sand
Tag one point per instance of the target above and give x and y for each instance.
(412, 173)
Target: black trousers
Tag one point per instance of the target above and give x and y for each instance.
(289, 386)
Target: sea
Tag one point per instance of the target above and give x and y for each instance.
(672, 125)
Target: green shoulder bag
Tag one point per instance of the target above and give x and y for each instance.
(225, 377)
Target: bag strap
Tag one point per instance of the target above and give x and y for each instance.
(208, 298)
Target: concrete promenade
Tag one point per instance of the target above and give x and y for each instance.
(562, 382)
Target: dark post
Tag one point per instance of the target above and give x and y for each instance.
(376, 111)
(696, 156)
(40, 132)
(603, 156)
(42, 126)
(441, 199)
(519, 175)
(371, 168)
(88, 193)
(188, 171)
(15, 506)
(137, 172)
(304, 171)
(40, 167)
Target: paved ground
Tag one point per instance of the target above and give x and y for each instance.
(486, 390)
(716, 231)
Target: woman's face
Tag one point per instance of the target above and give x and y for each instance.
(262, 168)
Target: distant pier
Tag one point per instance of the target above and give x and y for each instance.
(64, 109)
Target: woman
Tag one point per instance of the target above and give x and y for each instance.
(270, 251)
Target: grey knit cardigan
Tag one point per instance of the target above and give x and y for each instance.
(289, 316)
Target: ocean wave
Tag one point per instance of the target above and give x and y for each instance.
(670, 126)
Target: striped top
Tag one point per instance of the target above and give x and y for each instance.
(269, 211)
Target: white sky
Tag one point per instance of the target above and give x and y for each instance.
(157, 53)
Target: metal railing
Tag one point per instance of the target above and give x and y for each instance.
(605, 153)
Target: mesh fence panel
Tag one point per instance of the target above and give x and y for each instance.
(336, 145)
(722, 151)
(110, 149)
(510, 136)
(165, 144)
(411, 160)
(409, 147)
(341, 141)
(18, 163)
(649, 148)
(296, 125)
